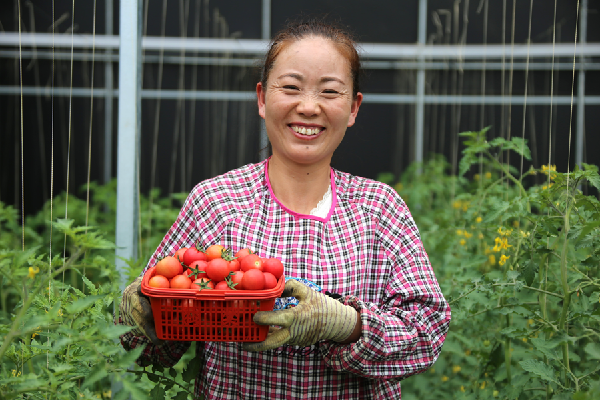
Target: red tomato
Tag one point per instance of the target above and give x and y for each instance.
(270, 280)
(202, 283)
(193, 254)
(217, 269)
(168, 267)
(234, 265)
(179, 253)
(253, 279)
(274, 266)
(197, 269)
(251, 261)
(159, 281)
(181, 282)
(236, 278)
(243, 253)
(222, 286)
(213, 252)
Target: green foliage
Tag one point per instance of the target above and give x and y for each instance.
(519, 265)
(58, 290)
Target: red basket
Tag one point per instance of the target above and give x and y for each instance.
(209, 315)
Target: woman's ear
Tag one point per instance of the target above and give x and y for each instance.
(354, 108)
(260, 94)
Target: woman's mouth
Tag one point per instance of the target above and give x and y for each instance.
(306, 130)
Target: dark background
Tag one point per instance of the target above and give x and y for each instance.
(197, 140)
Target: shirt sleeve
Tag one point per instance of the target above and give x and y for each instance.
(404, 334)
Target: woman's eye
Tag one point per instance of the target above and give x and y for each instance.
(330, 91)
(292, 87)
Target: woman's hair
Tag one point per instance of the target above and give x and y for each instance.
(300, 29)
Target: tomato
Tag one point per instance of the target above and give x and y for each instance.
(236, 279)
(159, 281)
(253, 279)
(222, 286)
(168, 267)
(243, 253)
(179, 253)
(234, 265)
(274, 266)
(194, 254)
(197, 269)
(202, 283)
(181, 282)
(251, 261)
(214, 251)
(270, 280)
(217, 269)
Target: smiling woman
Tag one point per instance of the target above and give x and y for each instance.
(369, 308)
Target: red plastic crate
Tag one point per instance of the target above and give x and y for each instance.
(209, 315)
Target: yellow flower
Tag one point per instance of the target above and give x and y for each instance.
(32, 272)
(459, 232)
(468, 235)
(497, 246)
(398, 186)
(480, 236)
(37, 330)
(462, 388)
(476, 177)
(482, 385)
(445, 378)
(456, 369)
(468, 352)
(530, 321)
(503, 259)
(432, 370)
(546, 169)
(504, 244)
(492, 259)
(488, 175)
(525, 339)
(544, 187)
(516, 223)
(478, 219)
(107, 393)
(525, 234)
(465, 206)
(463, 242)
(457, 204)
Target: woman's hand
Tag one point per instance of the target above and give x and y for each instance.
(316, 317)
(136, 311)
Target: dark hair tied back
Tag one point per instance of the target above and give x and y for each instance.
(300, 29)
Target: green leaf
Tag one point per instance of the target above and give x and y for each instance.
(540, 369)
(157, 393)
(181, 395)
(546, 347)
(529, 271)
(134, 390)
(593, 351)
(173, 372)
(84, 303)
(192, 370)
(97, 373)
(128, 358)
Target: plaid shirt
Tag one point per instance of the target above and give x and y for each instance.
(367, 249)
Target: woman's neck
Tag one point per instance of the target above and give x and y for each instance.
(299, 187)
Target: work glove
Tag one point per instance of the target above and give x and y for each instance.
(136, 311)
(316, 317)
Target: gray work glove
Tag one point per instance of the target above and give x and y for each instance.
(316, 317)
(136, 311)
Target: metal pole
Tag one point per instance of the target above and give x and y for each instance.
(420, 106)
(108, 99)
(130, 87)
(581, 88)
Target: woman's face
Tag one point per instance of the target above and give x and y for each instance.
(307, 101)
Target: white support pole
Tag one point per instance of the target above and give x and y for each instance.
(420, 104)
(130, 87)
(108, 98)
(581, 87)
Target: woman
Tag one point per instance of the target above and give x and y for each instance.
(349, 235)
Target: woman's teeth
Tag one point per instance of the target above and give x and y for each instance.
(306, 131)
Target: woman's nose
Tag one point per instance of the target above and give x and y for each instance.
(308, 106)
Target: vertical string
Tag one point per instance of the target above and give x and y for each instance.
(87, 202)
(69, 133)
(51, 182)
(526, 81)
(581, 105)
(22, 163)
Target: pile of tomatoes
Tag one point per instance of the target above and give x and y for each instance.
(216, 267)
